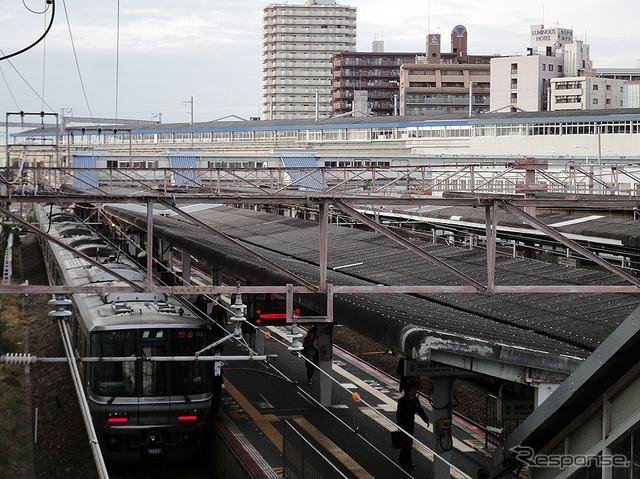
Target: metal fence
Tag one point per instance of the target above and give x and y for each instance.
(497, 427)
(302, 460)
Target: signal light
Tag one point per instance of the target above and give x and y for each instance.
(187, 418)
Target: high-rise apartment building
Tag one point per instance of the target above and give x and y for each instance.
(297, 44)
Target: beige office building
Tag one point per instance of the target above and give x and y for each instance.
(586, 93)
(297, 44)
(523, 82)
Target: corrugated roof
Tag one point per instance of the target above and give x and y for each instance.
(561, 324)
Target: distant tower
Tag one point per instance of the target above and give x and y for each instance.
(297, 44)
(459, 41)
(433, 48)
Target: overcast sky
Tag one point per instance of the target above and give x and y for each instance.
(211, 50)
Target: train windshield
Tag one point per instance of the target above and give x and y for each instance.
(149, 378)
(114, 378)
(190, 377)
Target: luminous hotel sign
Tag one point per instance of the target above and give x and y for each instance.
(552, 36)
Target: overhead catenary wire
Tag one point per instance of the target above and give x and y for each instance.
(46, 32)
(27, 83)
(44, 59)
(117, 58)
(9, 88)
(75, 56)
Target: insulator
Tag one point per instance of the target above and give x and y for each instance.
(60, 302)
(238, 308)
(61, 305)
(19, 358)
(295, 336)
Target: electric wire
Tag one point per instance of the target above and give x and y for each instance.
(75, 56)
(33, 11)
(117, 59)
(27, 83)
(46, 32)
(44, 58)
(9, 88)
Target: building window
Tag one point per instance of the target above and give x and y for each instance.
(595, 87)
(544, 67)
(595, 101)
(559, 68)
(550, 68)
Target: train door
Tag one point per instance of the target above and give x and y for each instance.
(153, 400)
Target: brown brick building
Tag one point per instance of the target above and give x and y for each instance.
(412, 83)
(377, 73)
(441, 81)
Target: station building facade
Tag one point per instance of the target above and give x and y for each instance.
(607, 136)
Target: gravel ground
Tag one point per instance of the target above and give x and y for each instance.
(62, 449)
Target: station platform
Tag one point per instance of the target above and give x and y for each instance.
(259, 398)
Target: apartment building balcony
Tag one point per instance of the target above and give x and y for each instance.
(275, 20)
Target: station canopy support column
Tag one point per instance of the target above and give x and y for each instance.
(442, 438)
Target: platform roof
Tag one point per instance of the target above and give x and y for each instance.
(551, 332)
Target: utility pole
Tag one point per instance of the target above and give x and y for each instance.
(190, 102)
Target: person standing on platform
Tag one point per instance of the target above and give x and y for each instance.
(408, 407)
(400, 373)
(311, 352)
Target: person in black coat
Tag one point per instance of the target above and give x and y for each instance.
(311, 352)
(408, 407)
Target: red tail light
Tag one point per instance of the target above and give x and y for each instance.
(187, 418)
(118, 419)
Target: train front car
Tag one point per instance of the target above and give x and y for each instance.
(142, 408)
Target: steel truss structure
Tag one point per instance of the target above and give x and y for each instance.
(45, 171)
(348, 205)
